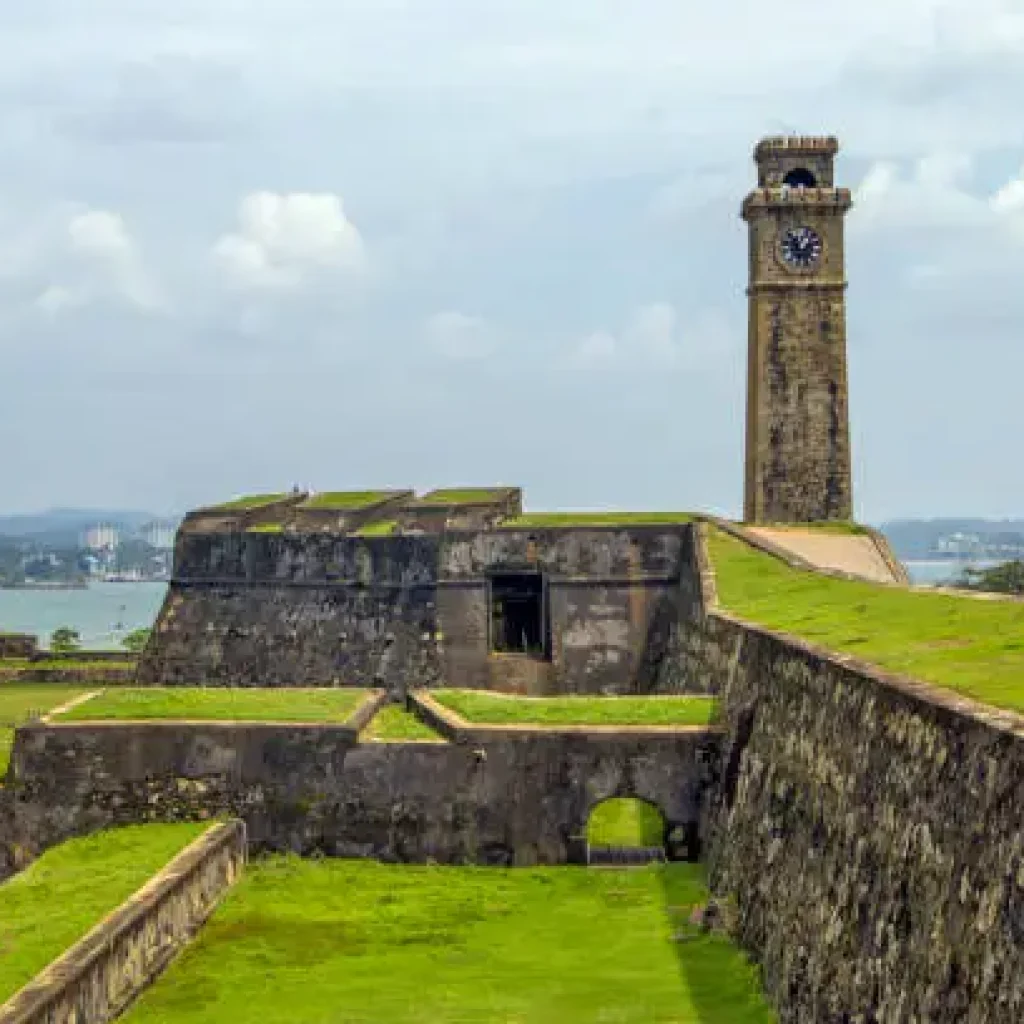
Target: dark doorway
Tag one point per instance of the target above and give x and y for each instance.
(799, 177)
(518, 614)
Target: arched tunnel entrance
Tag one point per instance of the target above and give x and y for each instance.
(626, 830)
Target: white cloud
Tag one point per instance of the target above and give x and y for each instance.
(652, 337)
(458, 336)
(95, 259)
(284, 240)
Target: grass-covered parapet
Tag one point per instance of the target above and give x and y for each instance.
(56, 900)
(220, 704)
(966, 644)
(344, 501)
(348, 940)
(479, 707)
(250, 501)
(548, 520)
(20, 701)
(384, 528)
(464, 496)
(393, 724)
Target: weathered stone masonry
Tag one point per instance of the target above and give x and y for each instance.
(871, 832)
(264, 609)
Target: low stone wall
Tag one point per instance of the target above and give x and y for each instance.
(870, 830)
(98, 977)
(519, 798)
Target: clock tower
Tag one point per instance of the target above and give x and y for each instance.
(798, 432)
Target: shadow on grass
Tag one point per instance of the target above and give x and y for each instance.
(724, 985)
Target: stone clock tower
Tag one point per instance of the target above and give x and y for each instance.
(798, 433)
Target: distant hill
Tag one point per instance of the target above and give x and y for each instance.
(65, 525)
(917, 538)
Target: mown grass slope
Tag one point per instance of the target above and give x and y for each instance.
(972, 646)
(53, 903)
(485, 708)
(217, 703)
(358, 941)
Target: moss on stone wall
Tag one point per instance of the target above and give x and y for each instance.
(571, 520)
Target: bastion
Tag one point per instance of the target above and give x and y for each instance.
(391, 590)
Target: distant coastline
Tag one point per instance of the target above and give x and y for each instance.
(47, 585)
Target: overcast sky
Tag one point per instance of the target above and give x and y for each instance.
(351, 243)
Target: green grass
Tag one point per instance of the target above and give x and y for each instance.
(249, 704)
(70, 888)
(623, 821)
(356, 941)
(384, 528)
(19, 700)
(578, 519)
(344, 499)
(463, 495)
(499, 709)
(251, 501)
(393, 724)
(974, 647)
(266, 528)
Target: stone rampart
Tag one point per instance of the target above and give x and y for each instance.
(262, 609)
(98, 977)
(870, 830)
(521, 798)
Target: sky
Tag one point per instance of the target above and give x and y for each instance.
(357, 243)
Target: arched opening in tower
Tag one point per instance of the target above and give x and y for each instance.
(800, 177)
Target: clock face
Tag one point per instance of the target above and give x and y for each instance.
(800, 247)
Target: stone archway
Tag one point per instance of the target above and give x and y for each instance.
(626, 830)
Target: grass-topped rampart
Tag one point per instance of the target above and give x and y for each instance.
(970, 645)
(576, 520)
(19, 701)
(344, 500)
(334, 940)
(56, 900)
(463, 496)
(215, 703)
(393, 724)
(248, 501)
(479, 707)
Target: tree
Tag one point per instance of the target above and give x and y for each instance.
(136, 640)
(65, 639)
(1007, 578)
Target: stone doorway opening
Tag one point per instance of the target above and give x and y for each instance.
(625, 830)
(519, 614)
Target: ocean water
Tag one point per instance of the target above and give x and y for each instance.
(102, 614)
(938, 571)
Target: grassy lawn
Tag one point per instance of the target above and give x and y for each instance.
(58, 898)
(393, 724)
(500, 709)
(384, 528)
(346, 942)
(251, 501)
(344, 499)
(972, 646)
(579, 519)
(462, 495)
(623, 821)
(248, 704)
(18, 701)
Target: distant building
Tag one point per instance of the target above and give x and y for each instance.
(101, 537)
(159, 534)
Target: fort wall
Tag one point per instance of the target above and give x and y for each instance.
(101, 974)
(870, 831)
(520, 799)
(406, 611)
